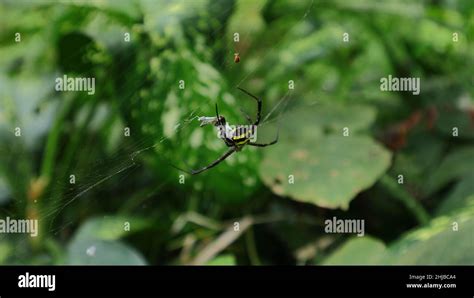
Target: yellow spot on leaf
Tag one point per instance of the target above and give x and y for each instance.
(300, 154)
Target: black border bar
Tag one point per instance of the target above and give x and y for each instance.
(135, 281)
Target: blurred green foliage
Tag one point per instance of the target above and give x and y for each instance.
(128, 205)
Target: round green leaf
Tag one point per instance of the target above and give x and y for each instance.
(99, 252)
(328, 171)
(95, 243)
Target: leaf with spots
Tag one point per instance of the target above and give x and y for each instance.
(165, 116)
(328, 170)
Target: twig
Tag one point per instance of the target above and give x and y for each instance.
(223, 241)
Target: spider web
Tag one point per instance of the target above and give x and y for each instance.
(127, 160)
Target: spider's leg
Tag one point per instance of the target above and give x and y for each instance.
(217, 113)
(249, 120)
(259, 104)
(264, 144)
(181, 169)
(214, 163)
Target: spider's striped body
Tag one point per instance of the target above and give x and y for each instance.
(242, 139)
(237, 136)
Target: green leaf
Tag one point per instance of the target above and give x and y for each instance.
(83, 251)
(418, 159)
(166, 17)
(462, 196)
(247, 20)
(96, 242)
(121, 10)
(454, 166)
(449, 119)
(19, 98)
(4, 191)
(358, 251)
(222, 260)
(5, 250)
(110, 228)
(438, 243)
(328, 171)
(328, 117)
(171, 128)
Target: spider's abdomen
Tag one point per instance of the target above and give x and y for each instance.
(242, 135)
(240, 141)
(236, 136)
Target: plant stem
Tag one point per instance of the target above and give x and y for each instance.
(405, 198)
(52, 142)
(251, 247)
